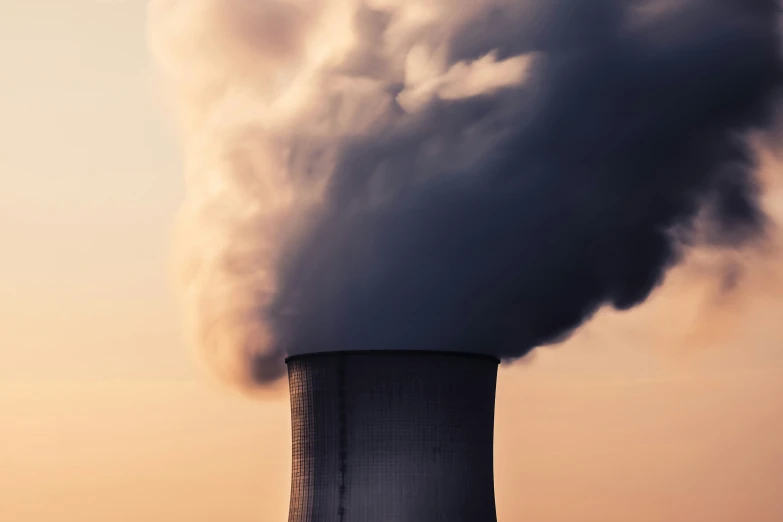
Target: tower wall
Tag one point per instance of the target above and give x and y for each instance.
(392, 437)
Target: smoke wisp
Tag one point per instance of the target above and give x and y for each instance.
(450, 175)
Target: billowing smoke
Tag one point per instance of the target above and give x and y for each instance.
(449, 175)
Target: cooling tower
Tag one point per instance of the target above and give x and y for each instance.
(392, 437)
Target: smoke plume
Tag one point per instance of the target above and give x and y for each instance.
(449, 175)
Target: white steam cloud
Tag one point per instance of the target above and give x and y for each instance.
(266, 93)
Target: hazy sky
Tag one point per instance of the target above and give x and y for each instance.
(105, 415)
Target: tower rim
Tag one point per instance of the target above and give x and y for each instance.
(443, 353)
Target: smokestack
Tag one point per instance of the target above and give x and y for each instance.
(392, 437)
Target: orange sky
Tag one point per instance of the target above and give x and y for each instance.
(105, 415)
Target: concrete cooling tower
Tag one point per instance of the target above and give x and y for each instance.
(392, 437)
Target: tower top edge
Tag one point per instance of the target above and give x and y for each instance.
(405, 353)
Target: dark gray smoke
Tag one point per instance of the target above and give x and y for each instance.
(500, 222)
(475, 175)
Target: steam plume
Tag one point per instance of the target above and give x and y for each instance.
(441, 174)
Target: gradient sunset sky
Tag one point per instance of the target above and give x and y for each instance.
(105, 414)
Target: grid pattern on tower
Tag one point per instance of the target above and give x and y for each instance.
(392, 438)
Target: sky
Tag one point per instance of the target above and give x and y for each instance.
(105, 414)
